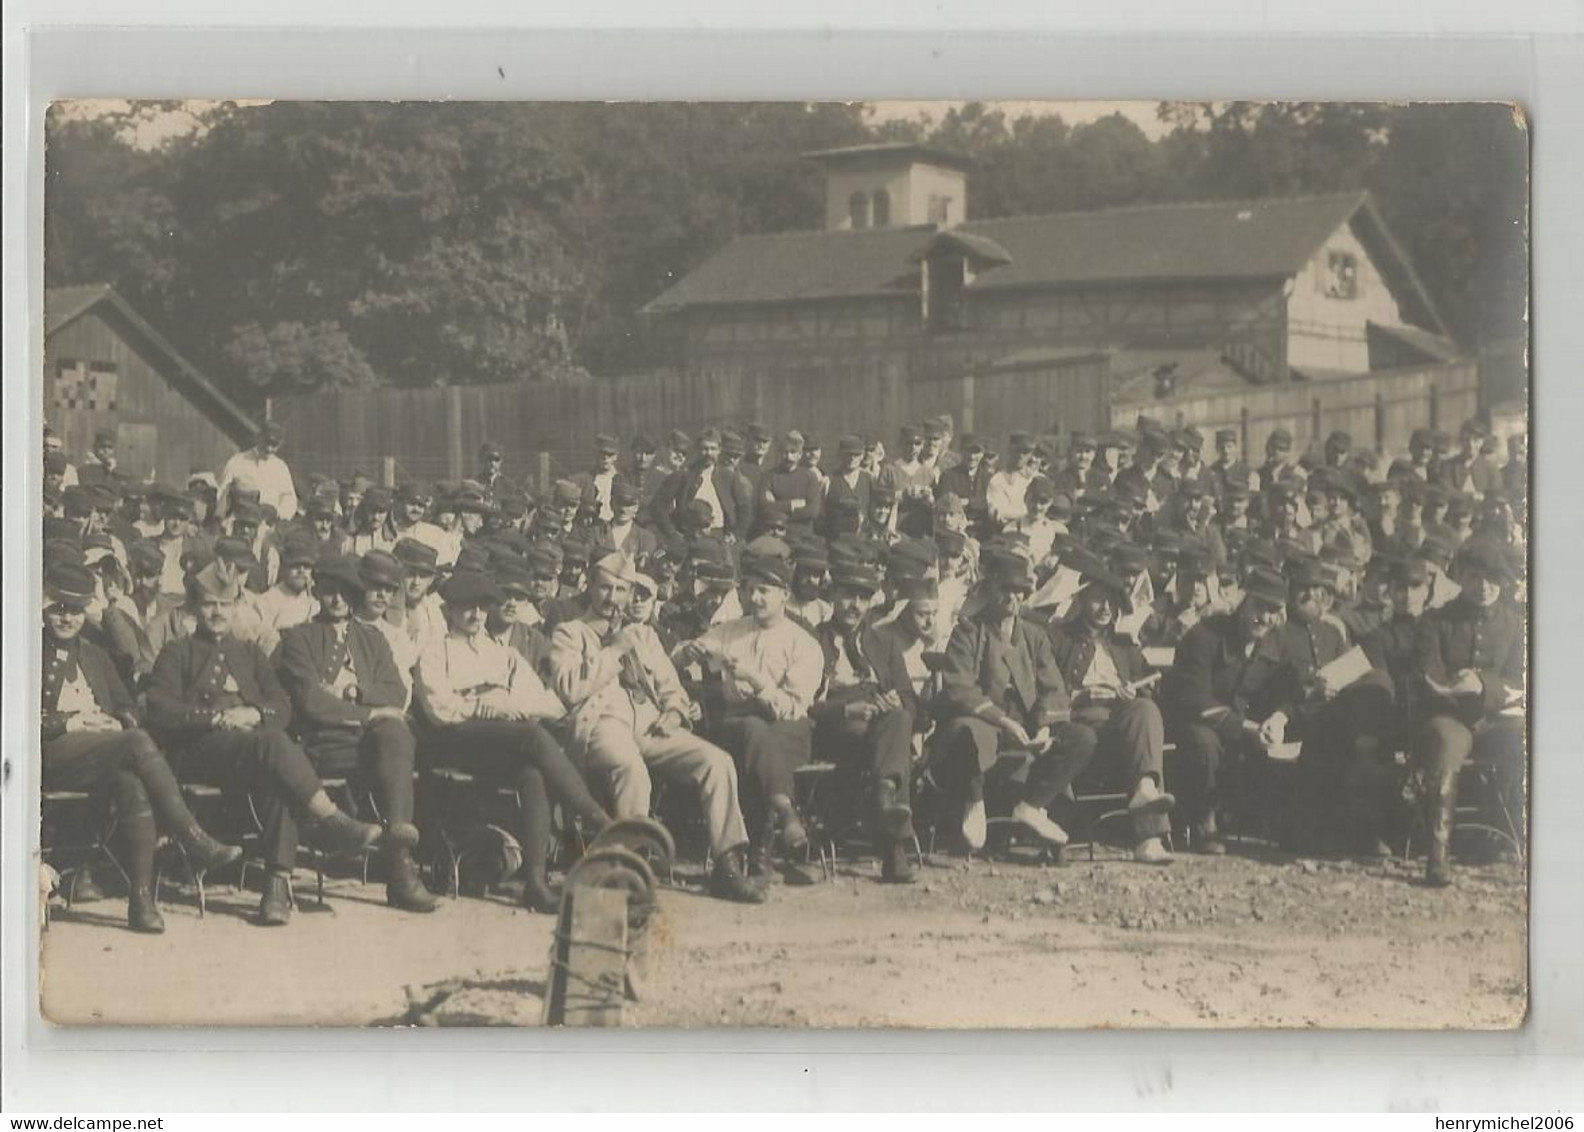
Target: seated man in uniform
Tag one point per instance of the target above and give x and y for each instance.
(1471, 657)
(1217, 705)
(91, 741)
(865, 711)
(1105, 673)
(1004, 693)
(630, 719)
(214, 699)
(351, 715)
(771, 672)
(486, 710)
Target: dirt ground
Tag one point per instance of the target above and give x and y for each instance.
(1244, 940)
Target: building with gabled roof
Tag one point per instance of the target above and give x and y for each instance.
(107, 368)
(1294, 288)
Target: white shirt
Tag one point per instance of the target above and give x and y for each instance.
(602, 492)
(462, 675)
(1102, 669)
(708, 494)
(269, 475)
(785, 657)
(76, 696)
(278, 609)
(1005, 496)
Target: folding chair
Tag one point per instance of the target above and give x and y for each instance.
(96, 821)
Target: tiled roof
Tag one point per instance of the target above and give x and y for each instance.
(1205, 240)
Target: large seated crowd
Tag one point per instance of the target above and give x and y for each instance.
(972, 633)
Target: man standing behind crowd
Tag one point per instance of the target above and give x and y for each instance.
(705, 479)
(261, 469)
(792, 484)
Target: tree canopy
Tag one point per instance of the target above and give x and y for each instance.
(300, 246)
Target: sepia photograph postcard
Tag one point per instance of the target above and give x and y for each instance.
(925, 565)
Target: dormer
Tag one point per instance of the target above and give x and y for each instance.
(893, 185)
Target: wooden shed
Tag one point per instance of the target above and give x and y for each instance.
(105, 367)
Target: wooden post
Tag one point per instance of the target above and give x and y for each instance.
(388, 471)
(1243, 429)
(1380, 421)
(544, 473)
(1435, 407)
(454, 456)
(967, 423)
(1317, 421)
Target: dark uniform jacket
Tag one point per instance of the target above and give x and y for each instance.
(198, 675)
(1214, 679)
(61, 663)
(1300, 649)
(733, 491)
(878, 655)
(781, 486)
(308, 660)
(968, 486)
(992, 678)
(1074, 650)
(1462, 635)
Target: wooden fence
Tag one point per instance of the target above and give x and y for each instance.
(1379, 409)
(548, 430)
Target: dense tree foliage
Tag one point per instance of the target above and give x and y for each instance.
(300, 246)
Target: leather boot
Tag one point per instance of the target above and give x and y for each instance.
(204, 852)
(729, 881)
(403, 889)
(275, 908)
(142, 913)
(82, 887)
(1442, 812)
(897, 867)
(894, 814)
(343, 835)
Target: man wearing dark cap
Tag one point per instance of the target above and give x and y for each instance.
(261, 469)
(771, 670)
(1471, 656)
(382, 576)
(92, 742)
(370, 527)
(416, 609)
(350, 711)
(791, 484)
(1278, 458)
(864, 714)
(492, 466)
(678, 445)
(968, 479)
(217, 705)
(1471, 472)
(644, 474)
(756, 461)
(623, 534)
(1006, 493)
(99, 465)
(1107, 680)
(632, 719)
(290, 601)
(514, 622)
(409, 516)
(1337, 448)
(850, 480)
(1218, 700)
(1228, 465)
(487, 711)
(706, 479)
(909, 474)
(597, 483)
(1005, 693)
(810, 572)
